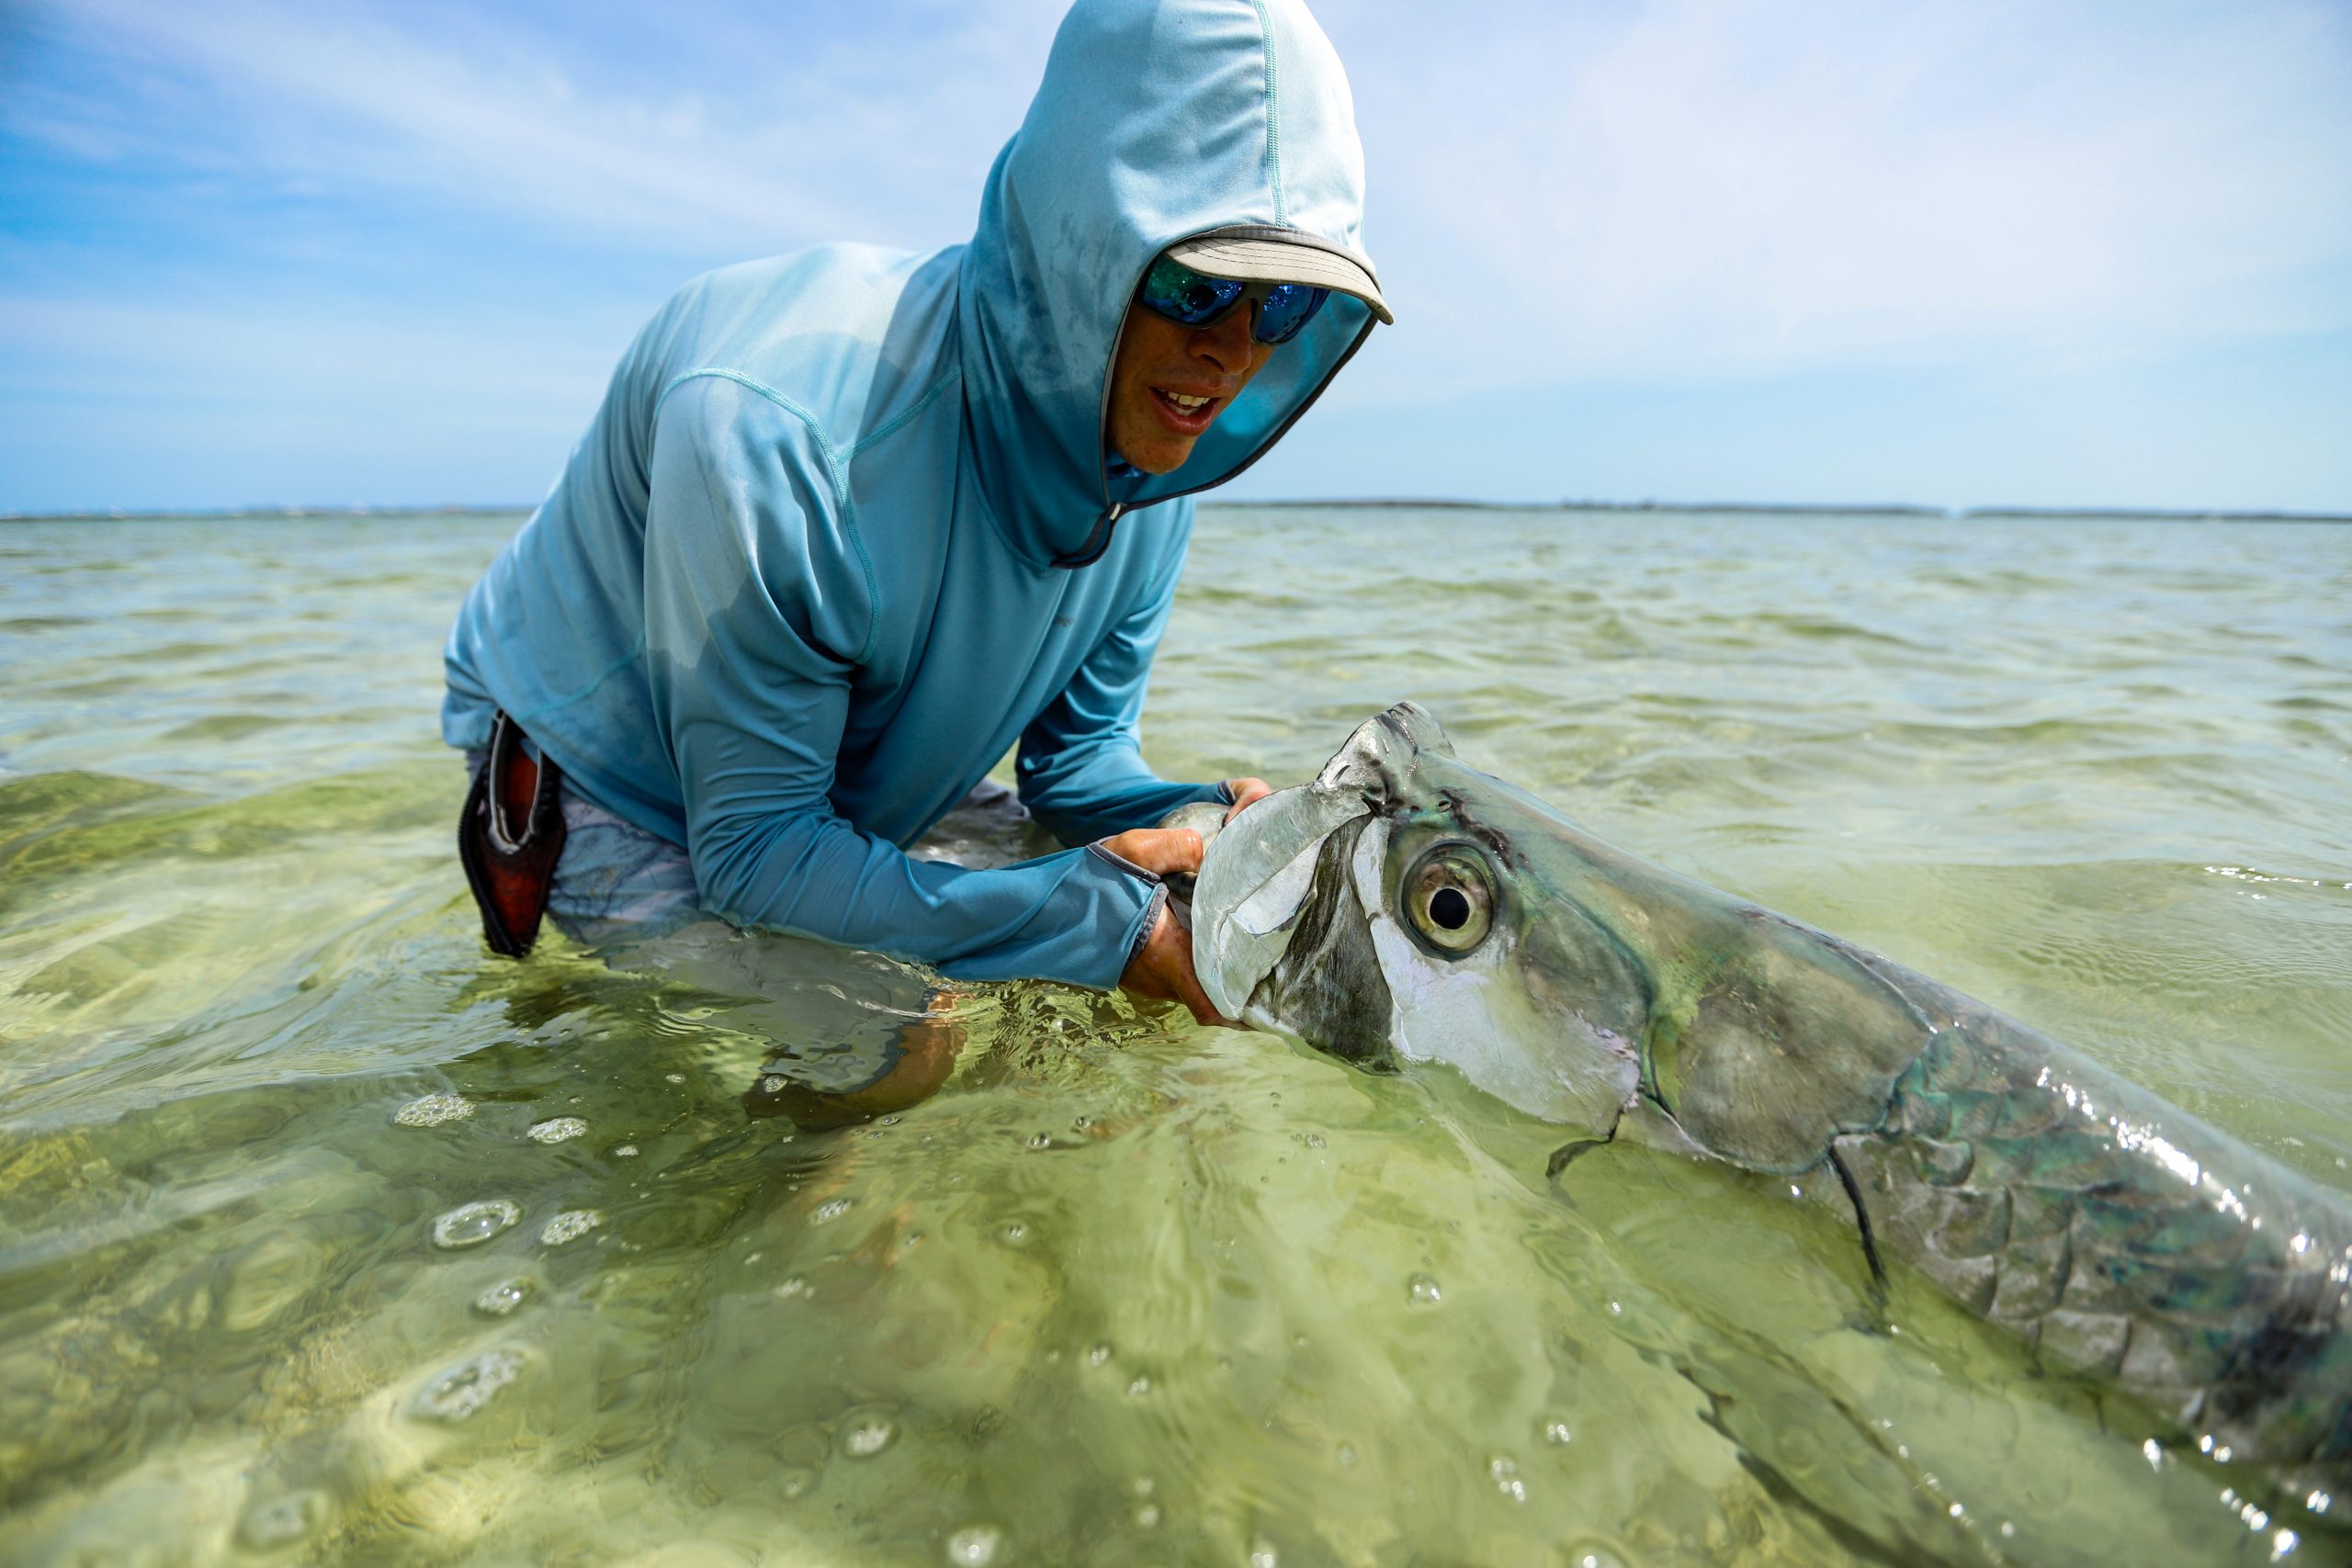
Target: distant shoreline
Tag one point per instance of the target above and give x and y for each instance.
(1741, 508)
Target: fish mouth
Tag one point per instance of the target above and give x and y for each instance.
(1256, 879)
(1270, 876)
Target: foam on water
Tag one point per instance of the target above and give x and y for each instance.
(460, 1393)
(432, 1110)
(504, 1298)
(470, 1225)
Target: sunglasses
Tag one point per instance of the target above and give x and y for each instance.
(1195, 299)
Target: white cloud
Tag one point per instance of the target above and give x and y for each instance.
(353, 96)
(1694, 189)
(1684, 189)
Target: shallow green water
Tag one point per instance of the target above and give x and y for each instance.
(1124, 1291)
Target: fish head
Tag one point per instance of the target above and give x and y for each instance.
(1403, 908)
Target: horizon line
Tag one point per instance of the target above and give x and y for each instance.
(1456, 503)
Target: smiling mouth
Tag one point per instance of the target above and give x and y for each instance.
(1185, 414)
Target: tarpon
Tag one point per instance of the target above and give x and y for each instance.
(1406, 909)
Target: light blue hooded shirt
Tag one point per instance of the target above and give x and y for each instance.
(842, 531)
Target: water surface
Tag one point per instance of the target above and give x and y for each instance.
(326, 1237)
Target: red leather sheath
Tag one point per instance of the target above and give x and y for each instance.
(509, 838)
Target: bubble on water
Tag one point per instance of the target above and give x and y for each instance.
(975, 1546)
(1147, 1516)
(774, 1083)
(433, 1110)
(867, 1433)
(283, 1520)
(831, 1210)
(1347, 1456)
(909, 1241)
(1100, 1353)
(569, 1225)
(887, 1121)
(627, 1151)
(1595, 1557)
(794, 1482)
(1262, 1555)
(504, 1297)
(792, 1289)
(673, 1077)
(559, 1130)
(1141, 1386)
(1557, 1433)
(1144, 1485)
(1042, 1140)
(1422, 1290)
(1315, 1140)
(1503, 1470)
(1016, 1233)
(470, 1225)
(465, 1388)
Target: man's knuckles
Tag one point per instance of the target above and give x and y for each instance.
(1160, 850)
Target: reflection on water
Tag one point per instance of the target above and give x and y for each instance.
(323, 1236)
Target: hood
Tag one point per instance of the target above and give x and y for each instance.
(1158, 121)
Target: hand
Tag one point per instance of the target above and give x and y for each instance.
(1245, 792)
(927, 1050)
(1161, 969)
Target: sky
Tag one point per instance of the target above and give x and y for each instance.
(2005, 253)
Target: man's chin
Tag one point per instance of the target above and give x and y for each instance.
(1160, 457)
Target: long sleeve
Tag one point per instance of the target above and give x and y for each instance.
(1081, 766)
(756, 604)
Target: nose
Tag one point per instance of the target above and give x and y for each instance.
(1229, 343)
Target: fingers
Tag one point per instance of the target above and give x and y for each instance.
(1163, 971)
(1160, 850)
(1189, 992)
(1245, 793)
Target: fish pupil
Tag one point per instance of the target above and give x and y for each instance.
(1449, 907)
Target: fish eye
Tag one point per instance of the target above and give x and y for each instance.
(1449, 899)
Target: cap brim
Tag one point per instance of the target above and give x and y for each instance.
(1275, 261)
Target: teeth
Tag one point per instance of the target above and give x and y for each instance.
(1189, 404)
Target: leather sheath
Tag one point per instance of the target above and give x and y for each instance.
(509, 837)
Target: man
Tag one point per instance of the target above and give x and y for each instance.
(852, 522)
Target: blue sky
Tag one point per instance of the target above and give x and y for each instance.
(259, 252)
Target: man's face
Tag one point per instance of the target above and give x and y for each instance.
(1160, 370)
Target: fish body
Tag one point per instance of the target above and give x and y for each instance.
(1404, 908)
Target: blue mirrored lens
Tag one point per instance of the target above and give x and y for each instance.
(1287, 309)
(1177, 292)
(1174, 290)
